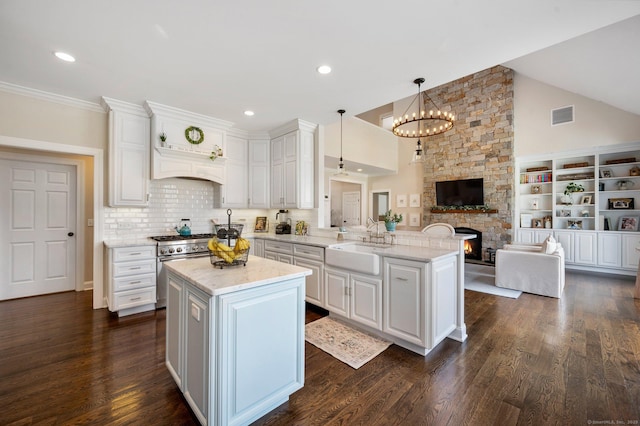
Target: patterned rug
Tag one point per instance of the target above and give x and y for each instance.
(350, 346)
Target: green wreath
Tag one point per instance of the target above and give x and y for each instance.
(187, 134)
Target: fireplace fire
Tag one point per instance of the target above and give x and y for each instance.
(472, 248)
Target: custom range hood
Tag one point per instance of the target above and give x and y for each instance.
(186, 144)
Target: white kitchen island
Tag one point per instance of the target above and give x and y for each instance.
(235, 336)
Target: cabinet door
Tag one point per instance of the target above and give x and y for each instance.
(196, 372)
(129, 154)
(336, 284)
(630, 253)
(271, 255)
(259, 174)
(609, 249)
(290, 170)
(258, 248)
(285, 258)
(585, 248)
(235, 188)
(174, 347)
(277, 173)
(525, 236)
(565, 238)
(403, 305)
(366, 300)
(314, 292)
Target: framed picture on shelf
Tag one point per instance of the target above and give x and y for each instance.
(574, 224)
(536, 223)
(621, 203)
(525, 220)
(628, 223)
(536, 189)
(586, 199)
(565, 213)
(605, 173)
(262, 225)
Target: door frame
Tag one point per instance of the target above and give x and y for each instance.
(98, 200)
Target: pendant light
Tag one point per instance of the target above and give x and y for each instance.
(418, 154)
(341, 169)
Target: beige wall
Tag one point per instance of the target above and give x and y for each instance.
(596, 123)
(37, 119)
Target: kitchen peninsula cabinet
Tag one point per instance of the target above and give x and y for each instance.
(354, 296)
(232, 366)
(129, 154)
(292, 166)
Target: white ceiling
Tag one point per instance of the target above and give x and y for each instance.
(221, 58)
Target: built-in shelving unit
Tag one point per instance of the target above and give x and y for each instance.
(599, 225)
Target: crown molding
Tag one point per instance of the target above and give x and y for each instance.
(109, 104)
(50, 97)
(188, 116)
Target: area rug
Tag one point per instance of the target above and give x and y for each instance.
(482, 278)
(350, 346)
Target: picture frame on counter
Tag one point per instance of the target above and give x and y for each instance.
(628, 223)
(262, 224)
(621, 203)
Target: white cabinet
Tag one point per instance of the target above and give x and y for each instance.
(533, 236)
(419, 301)
(131, 279)
(293, 167)
(234, 192)
(257, 247)
(311, 257)
(196, 352)
(585, 248)
(174, 324)
(565, 238)
(630, 254)
(279, 251)
(609, 250)
(354, 296)
(259, 172)
(129, 153)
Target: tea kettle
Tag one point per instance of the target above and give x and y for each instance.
(185, 227)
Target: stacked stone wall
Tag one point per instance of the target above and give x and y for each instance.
(479, 146)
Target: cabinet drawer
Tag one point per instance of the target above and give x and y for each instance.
(131, 268)
(135, 281)
(123, 254)
(308, 252)
(278, 247)
(133, 298)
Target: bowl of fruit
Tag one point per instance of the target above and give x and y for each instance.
(222, 255)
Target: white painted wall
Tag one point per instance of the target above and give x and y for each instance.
(596, 123)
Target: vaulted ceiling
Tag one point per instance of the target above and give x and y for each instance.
(222, 58)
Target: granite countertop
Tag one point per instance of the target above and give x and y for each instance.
(298, 239)
(215, 281)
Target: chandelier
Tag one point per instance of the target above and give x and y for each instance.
(422, 123)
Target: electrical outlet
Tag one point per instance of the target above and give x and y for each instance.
(89, 222)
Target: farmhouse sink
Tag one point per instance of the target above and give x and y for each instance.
(354, 257)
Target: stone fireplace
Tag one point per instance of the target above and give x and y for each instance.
(480, 145)
(473, 247)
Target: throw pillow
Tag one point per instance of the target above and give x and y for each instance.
(549, 245)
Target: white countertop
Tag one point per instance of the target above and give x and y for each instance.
(215, 281)
(129, 242)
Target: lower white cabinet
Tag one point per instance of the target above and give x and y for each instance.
(314, 283)
(257, 247)
(419, 301)
(231, 365)
(354, 296)
(609, 250)
(585, 245)
(630, 254)
(131, 279)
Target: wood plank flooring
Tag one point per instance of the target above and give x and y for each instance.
(534, 360)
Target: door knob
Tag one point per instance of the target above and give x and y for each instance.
(70, 234)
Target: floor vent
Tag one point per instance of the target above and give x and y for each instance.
(562, 115)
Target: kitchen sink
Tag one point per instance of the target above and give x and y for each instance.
(354, 257)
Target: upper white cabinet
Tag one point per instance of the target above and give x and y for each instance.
(292, 166)
(177, 156)
(235, 189)
(129, 133)
(259, 166)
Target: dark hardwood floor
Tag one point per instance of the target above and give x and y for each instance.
(534, 360)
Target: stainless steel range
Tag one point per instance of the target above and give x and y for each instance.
(177, 247)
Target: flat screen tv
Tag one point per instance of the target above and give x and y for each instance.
(463, 192)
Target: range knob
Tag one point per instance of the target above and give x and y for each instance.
(195, 248)
(163, 251)
(170, 250)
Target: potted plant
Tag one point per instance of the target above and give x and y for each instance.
(390, 220)
(570, 189)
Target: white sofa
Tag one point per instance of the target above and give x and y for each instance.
(526, 268)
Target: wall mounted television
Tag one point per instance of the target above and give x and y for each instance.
(462, 192)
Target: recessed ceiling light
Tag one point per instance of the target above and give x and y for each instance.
(249, 113)
(324, 69)
(64, 56)
(358, 170)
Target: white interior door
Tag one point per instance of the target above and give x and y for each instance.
(351, 208)
(37, 228)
